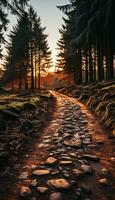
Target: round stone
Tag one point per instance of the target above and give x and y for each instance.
(42, 189)
(25, 191)
(87, 169)
(33, 183)
(41, 172)
(56, 196)
(51, 161)
(103, 181)
(59, 183)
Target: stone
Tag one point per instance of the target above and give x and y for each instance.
(33, 183)
(41, 145)
(55, 172)
(73, 143)
(112, 159)
(33, 167)
(87, 169)
(104, 172)
(41, 172)
(73, 154)
(25, 191)
(77, 172)
(42, 189)
(66, 162)
(103, 181)
(56, 196)
(91, 157)
(59, 183)
(24, 175)
(51, 161)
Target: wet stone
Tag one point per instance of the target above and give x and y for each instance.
(59, 183)
(41, 172)
(87, 169)
(33, 183)
(33, 167)
(51, 161)
(103, 181)
(91, 157)
(65, 162)
(23, 176)
(42, 190)
(77, 172)
(25, 191)
(56, 196)
(75, 143)
(104, 172)
(41, 145)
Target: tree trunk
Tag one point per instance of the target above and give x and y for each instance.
(109, 58)
(90, 64)
(35, 73)
(79, 79)
(32, 68)
(39, 74)
(86, 66)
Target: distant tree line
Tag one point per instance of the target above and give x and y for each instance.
(87, 43)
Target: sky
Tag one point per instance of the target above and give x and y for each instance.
(51, 18)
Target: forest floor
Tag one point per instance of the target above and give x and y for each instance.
(72, 158)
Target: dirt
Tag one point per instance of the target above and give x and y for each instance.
(59, 123)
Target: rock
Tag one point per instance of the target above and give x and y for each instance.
(112, 159)
(8, 115)
(112, 134)
(42, 189)
(77, 172)
(55, 172)
(73, 154)
(25, 191)
(56, 196)
(66, 162)
(41, 172)
(23, 176)
(87, 169)
(91, 157)
(75, 143)
(51, 161)
(33, 183)
(59, 183)
(41, 145)
(104, 172)
(103, 181)
(33, 167)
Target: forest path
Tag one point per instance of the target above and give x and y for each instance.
(73, 159)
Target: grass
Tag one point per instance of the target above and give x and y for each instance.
(17, 104)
